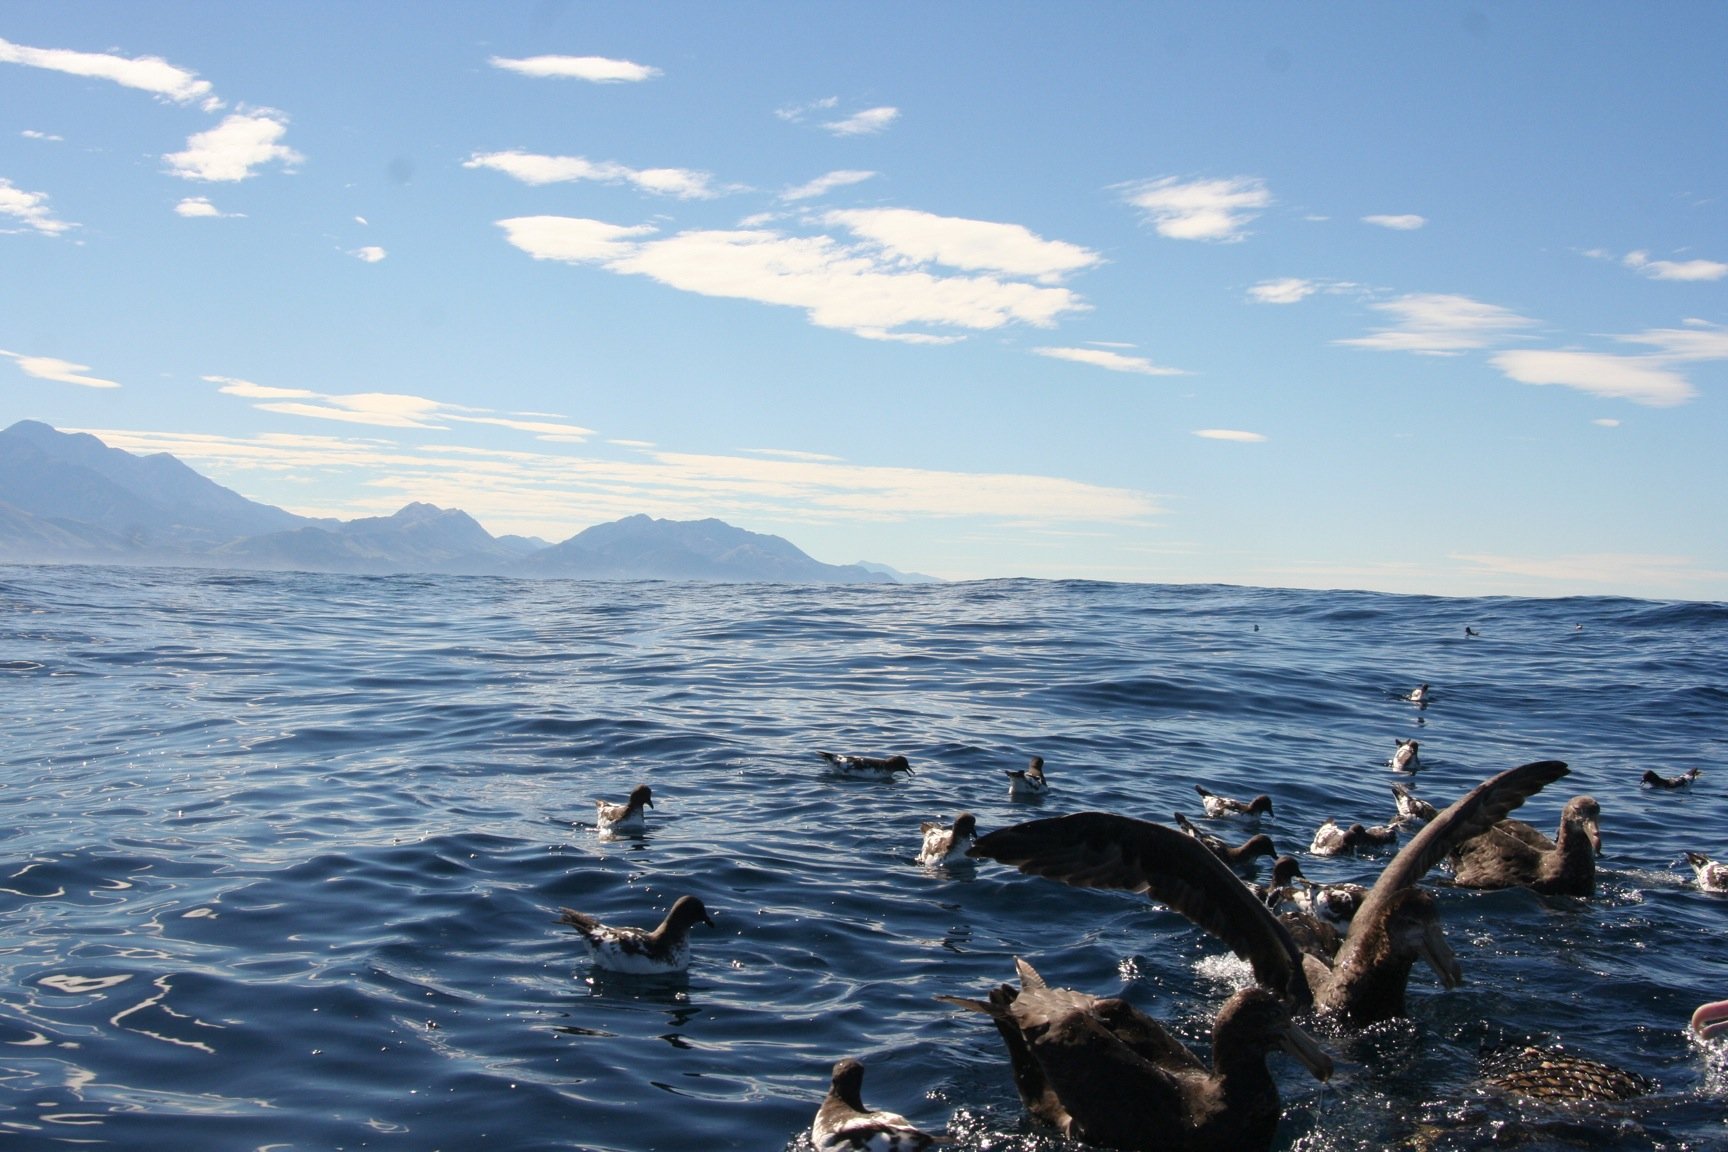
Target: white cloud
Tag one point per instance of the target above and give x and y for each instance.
(195, 207)
(57, 370)
(32, 134)
(796, 112)
(531, 168)
(598, 69)
(972, 245)
(1230, 434)
(1406, 223)
(1289, 290)
(1641, 379)
(823, 185)
(865, 123)
(785, 454)
(231, 150)
(390, 410)
(1676, 270)
(31, 208)
(1441, 324)
(854, 287)
(1701, 341)
(148, 73)
(1200, 209)
(1114, 361)
(371, 253)
(236, 387)
(1606, 422)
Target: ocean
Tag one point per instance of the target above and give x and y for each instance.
(283, 853)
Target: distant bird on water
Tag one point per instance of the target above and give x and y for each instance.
(1417, 695)
(872, 767)
(1404, 757)
(1221, 807)
(1333, 839)
(945, 843)
(1469, 631)
(638, 951)
(843, 1124)
(1028, 782)
(626, 817)
(1711, 876)
(1652, 779)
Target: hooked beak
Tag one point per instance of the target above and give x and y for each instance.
(1439, 956)
(1302, 1046)
(1592, 830)
(1711, 1020)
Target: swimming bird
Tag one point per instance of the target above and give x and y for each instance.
(1333, 839)
(1242, 859)
(844, 1123)
(1417, 695)
(1712, 877)
(1404, 757)
(1028, 782)
(1396, 924)
(1469, 631)
(875, 767)
(1221, 807)
(1412, 809)
(1513, 854)
(1653, 780)
(1710, 1020)
(636, 950)
(1286, 872)
(626, 817)
(1103, 1072)
(1556, 1075)
(945, 843)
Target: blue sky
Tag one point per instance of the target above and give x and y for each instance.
(1408, 297)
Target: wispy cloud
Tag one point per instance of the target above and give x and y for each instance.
(1439, 324)
(972, 245)
(794, 113)
(32, 134)
(196, 207)
(234, 148)
(1676, 269)
(1406, 223)
(1652, 379)
(1219, 209)
(823, 185)
(598, 69)
(531, 168)
(146, 73)
(1596, 570)
(866, 123)
(57, 370)
(1230, 434)
(1289, 290)
(389, 410)
(870, 288)
(370, 254)
(1114, 361)
(30, 209)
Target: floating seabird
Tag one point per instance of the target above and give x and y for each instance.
(1652, 779)
(636, 950)
(1469, 631)
(1286, 872)
(1221, 807)
(1710, 1020)
(947, 843)
(626, 817)
(875, 767)
(1513, 854)
(1404, 757)
(1417, 695)
(1712, 877)
(1557, 1076)
(844, 1123)
(1028, 782)
(1243, 858)
(1396, 924)
(1334, 839)
(1102, 1072)
(1412, 809)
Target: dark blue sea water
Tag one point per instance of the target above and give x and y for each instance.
(282, 854)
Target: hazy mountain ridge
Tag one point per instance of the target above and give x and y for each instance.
(68, 497)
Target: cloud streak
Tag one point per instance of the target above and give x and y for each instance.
(1218, 209)
(57, 370)
(535, 169)
(823, 185)
(1113, 361)
(596, 69)
(31, 209)
(145, 73)
(1439, 324)
(1693, 270)
(869, 122)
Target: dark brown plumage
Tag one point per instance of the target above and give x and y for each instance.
(1242, 859)
(1512, 853)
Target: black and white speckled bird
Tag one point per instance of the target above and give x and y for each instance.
(1412, 809)
(870, 767)
(947, 843)
(843, 1124)
(1711, 876)
(630, 816)
(1027, 783)
(1224, 807)
(1654, 779)
(1404, 757)
(1334, 839)
(638, 951)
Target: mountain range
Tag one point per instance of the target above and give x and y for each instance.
(70, 498)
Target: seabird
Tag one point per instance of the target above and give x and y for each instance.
(1653, 780)
(636, 950)
(1102, 1072)
(1418, 695)
(1513, 854)
(1396, 924)
(1412, 809)
(879, 768)
(947, 844)
(1243, 859)
(1286, 871)
(1220, 807)
(1710, 1020)
(844, 1123)
(1025, 783)
(1333, 839)
(1404, 758)
(1469, 631)
(626, 817)
(1712, 877)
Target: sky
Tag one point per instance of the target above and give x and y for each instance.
(1417, 297)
